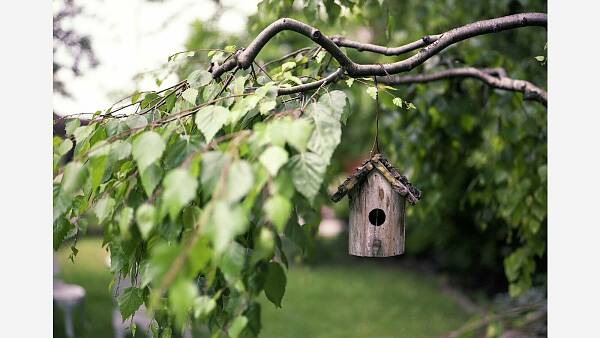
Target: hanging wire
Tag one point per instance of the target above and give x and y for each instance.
(376, 141)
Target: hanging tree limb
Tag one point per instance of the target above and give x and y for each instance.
(244, 58)
(494, 77)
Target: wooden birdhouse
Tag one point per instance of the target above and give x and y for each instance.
(377, 194)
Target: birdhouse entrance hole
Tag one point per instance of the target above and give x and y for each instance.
(377, 217)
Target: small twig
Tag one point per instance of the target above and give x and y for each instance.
(287, 56)
(227, 82)
(263, 70)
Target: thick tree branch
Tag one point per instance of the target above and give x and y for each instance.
(495, 77)
(244, 58)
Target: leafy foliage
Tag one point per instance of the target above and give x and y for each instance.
(199, 189)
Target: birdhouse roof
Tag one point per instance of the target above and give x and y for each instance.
(399, 182)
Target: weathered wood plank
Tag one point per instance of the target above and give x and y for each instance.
(367, 239)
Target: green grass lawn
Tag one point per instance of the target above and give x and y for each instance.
(349, 300)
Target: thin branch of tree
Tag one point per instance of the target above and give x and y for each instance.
(494, 77)
(289, 55)
(333, 77)
(432, 45)
(389, 51)
(244, 58)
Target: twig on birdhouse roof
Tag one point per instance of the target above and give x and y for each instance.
(399, 182)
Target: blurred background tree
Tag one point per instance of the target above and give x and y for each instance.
(478, 154)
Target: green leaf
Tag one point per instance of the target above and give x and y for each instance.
(81, 133)
(238, 84)
(202, 254)
(73, 177)
(336, 100)
(276, 131)
(145, 216)
(273, 158)
(269, 90)
(59, 232)
(120, 149)
(181, 299)
(129, 301)
(227, 221)
(125, 218)
(237, 325)
(60, 204)
(97, 167)
(264, 245)
(275, 283)
(199, 78)
(308, 170)
(242, 107)
(71, 125)
(290, 77)
(349, 82)
(294, 232)
(540, 58)
(150, 99)
(191, 216)
(299, 133)
(327, 133)
(151, 177)
(232, 262)
(283, 185)
(288, 65)
(267, 106)
(210, 119)
(136, 121)
(104, 208)
(99, 149)
(135, 97)
(372, 91)
(147, 149)
(162, 257)
(213, 163)
(190, 95)
(65, 146)
(203, 306)
(239, 181)
(278, 210)
(397, 101)
(320, 55)
(180, 188)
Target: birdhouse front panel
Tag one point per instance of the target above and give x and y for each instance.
(376, 218)
(377, 194)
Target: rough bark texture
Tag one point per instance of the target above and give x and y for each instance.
(369, 240)
(494, 77)
(244, 58)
